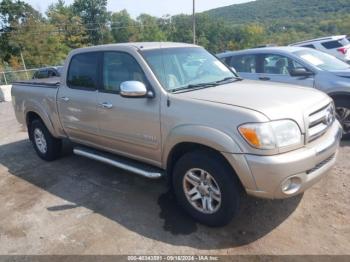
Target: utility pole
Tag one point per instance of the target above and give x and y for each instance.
(194, 21)
(24, 65)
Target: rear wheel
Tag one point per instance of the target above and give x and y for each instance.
(46, 146)
(206, 188)
(342, 108)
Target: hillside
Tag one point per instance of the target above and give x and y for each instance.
(265, 11)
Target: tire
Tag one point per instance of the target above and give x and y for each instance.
(223, 179)
(342, 107)
(50, 147)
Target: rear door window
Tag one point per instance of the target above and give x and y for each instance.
(83, 71)
(244, 63)
(332, 44)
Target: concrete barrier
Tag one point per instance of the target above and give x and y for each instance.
(5, 93)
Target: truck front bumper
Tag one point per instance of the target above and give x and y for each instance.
(289, 174)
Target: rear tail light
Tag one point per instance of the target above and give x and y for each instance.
(343, 50)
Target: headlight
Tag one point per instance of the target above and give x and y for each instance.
(271, 135)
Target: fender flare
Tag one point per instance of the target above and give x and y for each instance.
(202, 135)
(39, 109)
(216, 140)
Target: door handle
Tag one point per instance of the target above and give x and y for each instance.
(106, 105)
(265, 78)
(65, 99)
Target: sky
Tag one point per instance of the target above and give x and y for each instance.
(152, 7)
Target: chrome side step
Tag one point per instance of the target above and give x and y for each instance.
(120, 162)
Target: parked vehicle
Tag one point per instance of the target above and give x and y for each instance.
(175, 110)
(48, 72)
(299, 66)
(338, 46)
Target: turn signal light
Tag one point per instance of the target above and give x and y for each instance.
(250, 135)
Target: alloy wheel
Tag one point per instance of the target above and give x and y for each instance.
(40, 141)
(343, 115)
(202, 191)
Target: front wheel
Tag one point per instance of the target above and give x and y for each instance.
(206, 188)
(342, 108)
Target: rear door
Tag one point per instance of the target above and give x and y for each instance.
(77, 98)
(128, 126)
(277, 68)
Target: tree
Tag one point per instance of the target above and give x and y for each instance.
(149, 29)
(40, 43)
(94, 16)
(12, 13)
(123, 27)
(180, 29)
(69, 25)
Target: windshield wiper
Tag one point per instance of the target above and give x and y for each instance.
(194, 86)
(205, 85)
(233, 78)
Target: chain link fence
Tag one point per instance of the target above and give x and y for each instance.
(8, 77)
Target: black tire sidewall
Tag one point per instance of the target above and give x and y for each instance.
(342, 102)
(225, 179)
(53, 144)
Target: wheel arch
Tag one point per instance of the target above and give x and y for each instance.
(32, 114)
(189, 138)
(339, 95)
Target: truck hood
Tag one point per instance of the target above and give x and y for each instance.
(274, 100)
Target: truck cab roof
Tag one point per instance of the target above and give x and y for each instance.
(137, 45)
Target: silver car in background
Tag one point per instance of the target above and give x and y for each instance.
(338, 46)
(299, 66)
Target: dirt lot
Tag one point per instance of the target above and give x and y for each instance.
(78, 206)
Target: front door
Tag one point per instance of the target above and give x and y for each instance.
(276, 68)
(128, 126)
(77, 99)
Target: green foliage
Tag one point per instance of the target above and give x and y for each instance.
(289, 21)
(12, 13)
(38, 49)
(123, 27)
(47, 40)
(94, 16)
(281, 11)
(69, 26)
(149, 29)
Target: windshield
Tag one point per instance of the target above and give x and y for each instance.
(186, 67)
(322, 60)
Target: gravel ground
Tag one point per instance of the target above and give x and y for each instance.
(78, 206)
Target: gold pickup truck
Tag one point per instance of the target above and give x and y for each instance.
(175, 110)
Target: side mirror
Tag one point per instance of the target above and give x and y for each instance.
(302, 72)
(134, 89)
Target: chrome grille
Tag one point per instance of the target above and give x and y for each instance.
(319, 121)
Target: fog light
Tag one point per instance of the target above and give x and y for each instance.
(291, 185)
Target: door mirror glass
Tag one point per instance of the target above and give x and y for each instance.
(134, 89)
(300, 72)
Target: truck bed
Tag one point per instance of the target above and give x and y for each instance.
(52, 82)
(38, 95)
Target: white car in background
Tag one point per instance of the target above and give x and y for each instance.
(338, 46)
